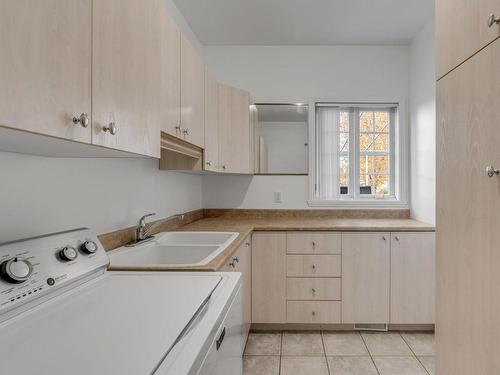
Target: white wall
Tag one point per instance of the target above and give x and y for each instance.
(423, 124)
(297, 74)
(42, 195)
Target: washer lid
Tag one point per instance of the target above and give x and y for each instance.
(120, 324)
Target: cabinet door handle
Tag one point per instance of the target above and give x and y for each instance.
(111, 128)
(247, 243)
(186, 131)
(314, 244)
(209, 163)
(236, 260)
(314, 313)
(313, 290)
(224, 167)
(493, 20)
(313, 266)
(82, 120)
(491, 171)
(396, 238)
(383, 237)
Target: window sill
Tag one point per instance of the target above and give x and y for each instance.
(359, 203)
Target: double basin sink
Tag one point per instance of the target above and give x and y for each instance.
(173, 249)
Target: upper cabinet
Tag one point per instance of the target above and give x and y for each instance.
(45, 71)
(235, 145)
(126, 105)
(192, 94)
(170, 75)
(211, 156)
(463, 28)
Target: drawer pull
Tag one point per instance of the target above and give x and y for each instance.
(313, 266)
(313, 290)
(314, 313)
(314, 243)
(236, 259)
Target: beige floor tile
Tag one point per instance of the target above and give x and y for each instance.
(304, 366)
(429, 363)
(399, 366)
(261, 365)
(351, 366)
(344, 344)
(386, 344)
(420, 343)
(302, 344)
(263, 344)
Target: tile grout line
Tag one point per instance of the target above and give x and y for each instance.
(324, 352)
(281, 352)
(416, 357)
(369, 353)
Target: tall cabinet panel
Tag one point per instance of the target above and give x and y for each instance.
(170, 74)
(365, 277)
(192, 94)
(211, 156)
(45, 67)
(126, 100)
(462, 29)
(467, 217)
(225, 133)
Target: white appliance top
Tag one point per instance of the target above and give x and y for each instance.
(123, 323)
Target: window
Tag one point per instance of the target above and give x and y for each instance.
(356, 154)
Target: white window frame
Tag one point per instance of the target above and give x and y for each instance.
(400, 166)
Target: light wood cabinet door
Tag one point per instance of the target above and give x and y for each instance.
(467, 217)
(413, 279)
(462, 30)
(170, 74)
(234, 130)
(45, 66)
(211, 151)
(224, 119)
(269, 277)
(365, 277)
(126, 70)
(192, 94)
(240, 132)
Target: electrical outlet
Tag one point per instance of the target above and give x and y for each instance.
(277, 197)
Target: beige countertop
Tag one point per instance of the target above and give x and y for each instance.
(246, 226)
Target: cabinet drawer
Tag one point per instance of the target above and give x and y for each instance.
(326, 289)
(313, 265)
(313, 243)
(313, 312)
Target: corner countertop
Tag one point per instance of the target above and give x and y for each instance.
(245, 227)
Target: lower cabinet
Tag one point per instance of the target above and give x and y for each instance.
(413, 278)
(269, 277)
(241, 261)
(365, 277)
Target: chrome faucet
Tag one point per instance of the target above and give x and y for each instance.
(142, 233)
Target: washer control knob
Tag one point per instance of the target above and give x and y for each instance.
(68, 254)
(89, 247)
(16, 270)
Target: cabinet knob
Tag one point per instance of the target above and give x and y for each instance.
(383, 237)
(236, 260)
(224, 167)
(82, 120)
(314, 243)
(493, 20)
(314, 313)
(111, 128)
(247, 244)
(313, 266)
(209, 163)
(232, 264)
(396, 238)
(491, 171)
(178, 128)
(313, 290)
(186, 131)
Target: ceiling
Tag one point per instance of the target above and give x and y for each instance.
(282, 113)
(305, 22)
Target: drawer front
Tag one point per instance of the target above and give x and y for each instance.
(313, 265)
(313, 243)
(322, 312)
(326, 289)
